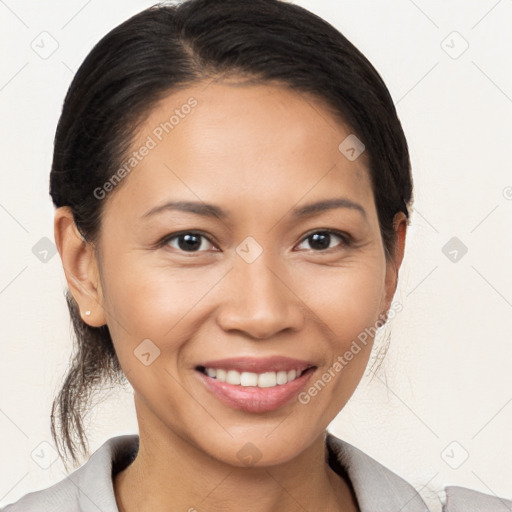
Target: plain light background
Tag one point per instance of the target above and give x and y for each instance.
(439, 412)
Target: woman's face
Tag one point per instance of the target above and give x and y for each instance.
(242, 280)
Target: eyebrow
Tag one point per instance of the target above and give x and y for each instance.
(211, 210)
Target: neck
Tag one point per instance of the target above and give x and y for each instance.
(170, 473)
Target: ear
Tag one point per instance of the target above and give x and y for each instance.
(394, 262)
(80, 267)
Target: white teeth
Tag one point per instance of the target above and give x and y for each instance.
(248, 379)
(261, 380)
(233, 377)
(267, 380)
(282, 377)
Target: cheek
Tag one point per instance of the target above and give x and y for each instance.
(345, 299)
(347, 303)
(156, 302)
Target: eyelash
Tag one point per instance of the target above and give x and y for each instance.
(346, 239)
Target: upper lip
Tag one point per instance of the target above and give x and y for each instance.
(258, 364)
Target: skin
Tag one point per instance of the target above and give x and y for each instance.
(257, 151)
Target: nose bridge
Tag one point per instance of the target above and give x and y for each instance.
(258, 299)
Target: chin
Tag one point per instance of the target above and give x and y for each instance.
(256, 447)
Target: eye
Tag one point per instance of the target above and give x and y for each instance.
(196, 242)
(188, 241)
(320, 240)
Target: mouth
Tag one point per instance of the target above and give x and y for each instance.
(249, 379)
(255, 385)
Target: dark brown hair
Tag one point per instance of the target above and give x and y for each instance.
(169, 47)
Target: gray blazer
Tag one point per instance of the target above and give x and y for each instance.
(377, 489)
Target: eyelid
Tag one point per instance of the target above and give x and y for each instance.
(345, 237)
(167, 238)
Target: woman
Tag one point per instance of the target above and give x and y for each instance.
(232, 187)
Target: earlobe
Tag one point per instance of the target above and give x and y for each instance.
(80, 267)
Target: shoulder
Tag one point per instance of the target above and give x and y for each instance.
(378, 489)
(462, 499)
(89, 488)
(56, 498)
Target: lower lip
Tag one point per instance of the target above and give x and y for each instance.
(253, 398)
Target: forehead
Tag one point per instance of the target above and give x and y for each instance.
(249, 144)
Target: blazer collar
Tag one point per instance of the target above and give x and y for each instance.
(94, 478)
(377, 488)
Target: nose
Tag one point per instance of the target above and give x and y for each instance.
(259, 301)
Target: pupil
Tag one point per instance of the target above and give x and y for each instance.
(191, 242)
(320, 240)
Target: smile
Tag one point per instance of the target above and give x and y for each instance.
(261, 380)
(255, 385)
